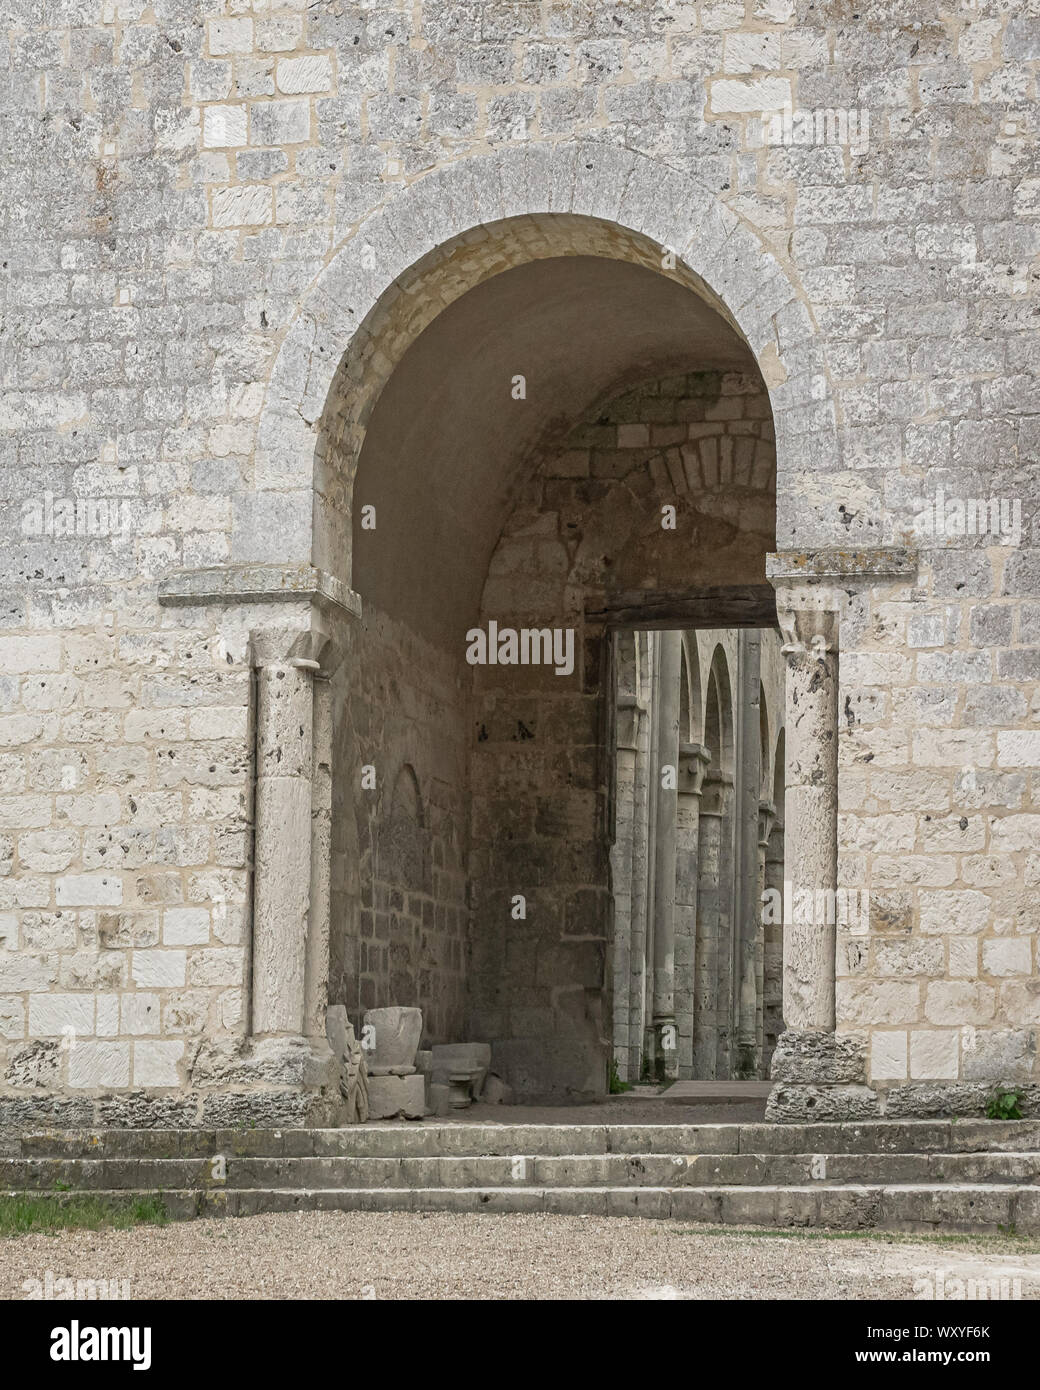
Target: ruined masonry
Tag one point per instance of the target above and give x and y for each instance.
(689, 347)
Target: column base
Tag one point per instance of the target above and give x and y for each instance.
(818, 1077)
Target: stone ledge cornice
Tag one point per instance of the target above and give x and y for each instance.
(237, 584)
(882, 563)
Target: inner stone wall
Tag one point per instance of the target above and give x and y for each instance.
(400, 812)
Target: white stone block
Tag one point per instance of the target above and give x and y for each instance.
(155, 1063)
(140, 1013)
(106, 1024)
(97, 1064)
(309, 74)
(759, 94)
(888, 1057)
(934, 1055)
(186, 926)
(1018, 748)
(230, 36)
(224, 126)
(251, 205)
(957, 911)
(1008, 956)
(964, 957)
(51, 1014)
(88, 890)
(159, 969)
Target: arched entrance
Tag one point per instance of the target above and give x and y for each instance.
(545, 429)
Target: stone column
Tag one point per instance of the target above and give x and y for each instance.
(629, 716)
(316, 973)
(286, 662)
(773, 942)
(716, 791)
(641, 891)
(746, 907)
(808, 616)
(665, 1032)
(766, 816)
(693, 762)
(818, 1074)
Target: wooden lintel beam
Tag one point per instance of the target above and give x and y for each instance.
(727, 605)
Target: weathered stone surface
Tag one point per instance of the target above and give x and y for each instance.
(819, 1059)
(799, 1104)
(458, 1059)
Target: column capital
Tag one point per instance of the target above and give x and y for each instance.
(694, 760)
(716, 790)
(311, 648)
(766, 817)
(808, 613)
(630, 711)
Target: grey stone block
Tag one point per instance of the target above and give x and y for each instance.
(391, 1096)
(395, 1037)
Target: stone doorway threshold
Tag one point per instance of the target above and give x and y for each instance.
(682, 1103)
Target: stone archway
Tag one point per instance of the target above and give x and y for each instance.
(441, 238)
(436, 233)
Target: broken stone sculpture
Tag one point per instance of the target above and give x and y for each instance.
(353, 1078)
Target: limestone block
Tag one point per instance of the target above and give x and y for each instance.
(934, 1055)
(818, 1058)
(391, 1096)
(1001, 1056)
(888, 1056)
(394, 1036)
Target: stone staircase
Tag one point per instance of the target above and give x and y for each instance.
(927, 1175)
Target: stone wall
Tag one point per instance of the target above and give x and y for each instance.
(939, 817)
(202, 201)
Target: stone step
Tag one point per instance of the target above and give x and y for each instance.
(518, 1170)
(914, 1207)
(432, 1139)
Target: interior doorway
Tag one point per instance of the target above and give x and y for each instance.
(697, 854)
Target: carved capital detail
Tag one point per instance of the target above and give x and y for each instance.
(809, 619)
(310, 648)
(629, 712)
(694, 760)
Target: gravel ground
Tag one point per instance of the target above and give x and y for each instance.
(404, 1255)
